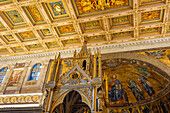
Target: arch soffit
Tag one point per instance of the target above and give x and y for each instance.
(60, 99)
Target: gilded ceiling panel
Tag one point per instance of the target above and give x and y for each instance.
(14, 18)
(4, 51)
(96, 6)
(152, 16)
(71, 41)
(150, 31)
(65, 30)
(97, 38)
(9, 39)
(148, 2)
(34, 14)
(92, 26)
(34, 47)
(28, 35)
(5, 1)
(52, 44)
(121, 21)
(56, 10)
(2, 26)
(17, 49)
(122, 35)
(45, 33)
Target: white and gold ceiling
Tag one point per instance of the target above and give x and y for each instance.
(33, 26)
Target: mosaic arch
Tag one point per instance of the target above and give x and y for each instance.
(133, 79)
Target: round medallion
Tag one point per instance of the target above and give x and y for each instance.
(20, 99)
(13, 99)
(75, 75)
(35, 98)
(1, 100)
(58, 8)
(6, 100)
(28, 99)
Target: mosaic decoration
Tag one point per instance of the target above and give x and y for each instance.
(15, 77)
(162, 55)
(71, 41)
(18, 49)
(28, 35)
(121, 21)
(65, 30)
(122, 34)
(134, 81)
(56, 9)
(91, 26)
(35, 14)
(89, 6)
(152, 16)
(52, 44)
(96, 38)
(34, 46)
(14, 16)
(20, 99)
(149, 31)
(9, 39)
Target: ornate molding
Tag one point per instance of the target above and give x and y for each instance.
(119, 47)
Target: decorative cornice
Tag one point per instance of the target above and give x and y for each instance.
(118, 47)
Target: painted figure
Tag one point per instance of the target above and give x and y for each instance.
(116, 91)
(136, 90)
(146, 84)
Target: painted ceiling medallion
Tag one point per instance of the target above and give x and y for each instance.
(57, 10)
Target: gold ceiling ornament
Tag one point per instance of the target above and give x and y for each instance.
(58, 8)
(66, 20)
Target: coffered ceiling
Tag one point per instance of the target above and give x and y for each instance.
(31, 26)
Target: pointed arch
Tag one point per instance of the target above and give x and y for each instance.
(84, 98)
(2, 74)
(35, 72)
